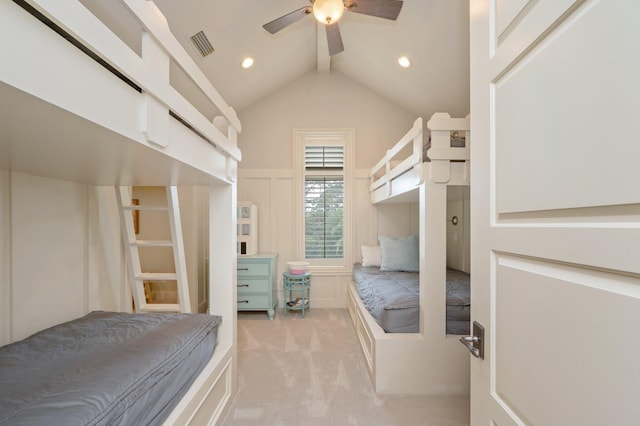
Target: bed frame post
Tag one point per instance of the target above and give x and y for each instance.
(222, 258)
(433, 259)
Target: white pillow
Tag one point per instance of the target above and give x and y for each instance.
(400, 254)
(371, 256)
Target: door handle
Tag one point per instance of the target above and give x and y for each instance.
(475, 343)
(469, 341)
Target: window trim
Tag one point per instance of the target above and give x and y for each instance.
(303, 137)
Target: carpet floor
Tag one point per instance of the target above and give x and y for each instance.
(311, 371)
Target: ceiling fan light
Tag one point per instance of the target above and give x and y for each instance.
(328, 11)
(247, 62)
(404, 61)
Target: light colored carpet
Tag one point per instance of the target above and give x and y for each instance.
(311, 371)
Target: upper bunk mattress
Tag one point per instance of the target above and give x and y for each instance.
(393, 299)
(104, 369)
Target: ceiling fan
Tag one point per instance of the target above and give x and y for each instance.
(328, 12)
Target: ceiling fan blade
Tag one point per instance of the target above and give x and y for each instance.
(387, 9)
(286, 20)
(334, 39)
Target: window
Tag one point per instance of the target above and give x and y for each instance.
(324, 202)
(322, 176)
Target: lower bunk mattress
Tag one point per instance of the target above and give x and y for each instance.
(106, 368)
(393, 299)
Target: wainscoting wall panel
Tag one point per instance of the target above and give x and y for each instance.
(273, 191)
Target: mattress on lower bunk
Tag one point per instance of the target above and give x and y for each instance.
(105, 368)
(458, 302)
(393, 299)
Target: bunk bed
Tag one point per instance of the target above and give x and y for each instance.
(105, 368)
(392, 298)
(88, 114)
(428, 361)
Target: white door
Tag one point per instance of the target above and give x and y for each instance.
(555, 107)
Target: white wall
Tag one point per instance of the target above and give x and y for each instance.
(5, 257)
(61, 252)
(318, 101)
(55, 265)
(458, 241)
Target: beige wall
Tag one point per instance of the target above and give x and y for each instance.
(318, 101)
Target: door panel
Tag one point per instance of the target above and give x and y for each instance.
(515, 28)
(555, 211)
(555, 83)
(507, 12)
(553, 321)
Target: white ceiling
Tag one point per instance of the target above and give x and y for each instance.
(433, 33)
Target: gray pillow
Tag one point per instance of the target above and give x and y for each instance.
(399, 254)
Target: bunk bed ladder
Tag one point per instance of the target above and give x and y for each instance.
(132, 251)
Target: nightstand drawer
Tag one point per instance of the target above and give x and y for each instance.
(253, 302)
(246, 269)
(249, 285)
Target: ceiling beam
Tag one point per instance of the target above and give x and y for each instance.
(324, 60)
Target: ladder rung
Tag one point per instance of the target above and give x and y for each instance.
(138, 207)
(161, 307)
(133, 247)
(157, 276)
(153, 243)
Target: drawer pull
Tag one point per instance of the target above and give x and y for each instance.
(243, 301)
(243, 285)
(243, 269)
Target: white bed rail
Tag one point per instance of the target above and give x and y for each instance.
(441, 152)
(390, 167)
(150, 71)
(399, 171)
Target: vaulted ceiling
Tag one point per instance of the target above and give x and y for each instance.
(434, 34)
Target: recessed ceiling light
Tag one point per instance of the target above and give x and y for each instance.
(247, 62)
(404, 62)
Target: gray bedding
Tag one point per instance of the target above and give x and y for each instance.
(105, 369)
(393, 299)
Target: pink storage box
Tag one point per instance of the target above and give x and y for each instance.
(297, 267)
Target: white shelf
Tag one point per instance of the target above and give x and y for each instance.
(247, 228)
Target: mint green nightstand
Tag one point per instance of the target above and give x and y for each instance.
(296, 285)
(257, 283)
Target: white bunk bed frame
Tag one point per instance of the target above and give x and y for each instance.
(118, 136)
(429, 362)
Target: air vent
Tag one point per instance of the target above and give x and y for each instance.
(201, 43)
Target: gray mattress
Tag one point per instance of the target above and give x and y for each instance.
(393, 299)
(105, 369)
